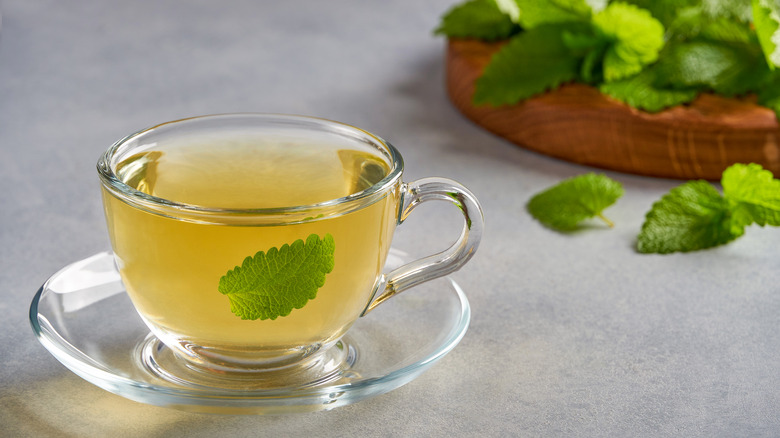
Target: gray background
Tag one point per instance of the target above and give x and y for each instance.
(571, 334)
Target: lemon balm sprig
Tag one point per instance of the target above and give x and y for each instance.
(650, 55)
(696, 216)
(564, 206)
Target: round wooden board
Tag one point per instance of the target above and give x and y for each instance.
(577, 123)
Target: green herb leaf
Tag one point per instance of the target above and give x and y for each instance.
(597, 5)
(732, 9)
(690, 217)
(766, 20)
(727, 30)
(635, 38)
(538, 12)
(481, 19)
(565, 205)
(666, 11)
(695, 216)
(531, 63)
(727, 68)
(640, 91)
(754, 194)
(273, 283)
(510, 8)
(695, 21)
(590, 46)
(769, 94)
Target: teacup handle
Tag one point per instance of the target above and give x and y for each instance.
(445, 262)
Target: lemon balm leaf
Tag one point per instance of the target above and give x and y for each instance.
(531, 63)
(766, 20)
(769, 95)
(640, 91)
(728, 68)
(690, 217)
(696, 216)
(563, 206)
(537, 12)
(482, 19)
(635, 36)
(754, 194)
(271, 284)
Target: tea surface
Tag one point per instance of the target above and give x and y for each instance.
(171, 267)
(241, 174)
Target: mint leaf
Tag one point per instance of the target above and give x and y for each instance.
(621, 42)
(686, 17)
(733, 9)
(695, 21)
(754, 194)
(766, 20)
(590, 45)
(640, 91)
(665, 11)
(531, 63)
(510, 8)
(481, 19)
(695, 216)
(690, 217)
(635, 38)
(727, 68)
(769, 94)
(273, 283)
(686, 23)
(727, 30)
(771, 102)
(563, 206)
(538, 12)
(597, 5)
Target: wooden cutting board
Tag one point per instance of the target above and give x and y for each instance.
(577, 123)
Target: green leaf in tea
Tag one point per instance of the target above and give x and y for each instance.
(563, 206)
(531, 63)
(482, 19)
(635, 39)
(273, 283)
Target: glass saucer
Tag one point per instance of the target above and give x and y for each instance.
(83, 316)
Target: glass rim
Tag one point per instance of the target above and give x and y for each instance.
(290, 214)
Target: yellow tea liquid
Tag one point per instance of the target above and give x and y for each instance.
(171, 267)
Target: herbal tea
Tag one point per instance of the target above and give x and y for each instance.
(176, 285)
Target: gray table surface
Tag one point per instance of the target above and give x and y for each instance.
(572, 335)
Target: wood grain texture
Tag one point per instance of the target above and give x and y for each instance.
(577, 123)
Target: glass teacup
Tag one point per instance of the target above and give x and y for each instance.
(250, 243)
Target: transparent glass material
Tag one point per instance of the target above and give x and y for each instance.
(83, 316)
(171, 251)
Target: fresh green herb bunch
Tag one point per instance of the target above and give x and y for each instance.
(650, 54)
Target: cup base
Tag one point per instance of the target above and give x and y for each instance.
(84, 318)
(327, 366)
